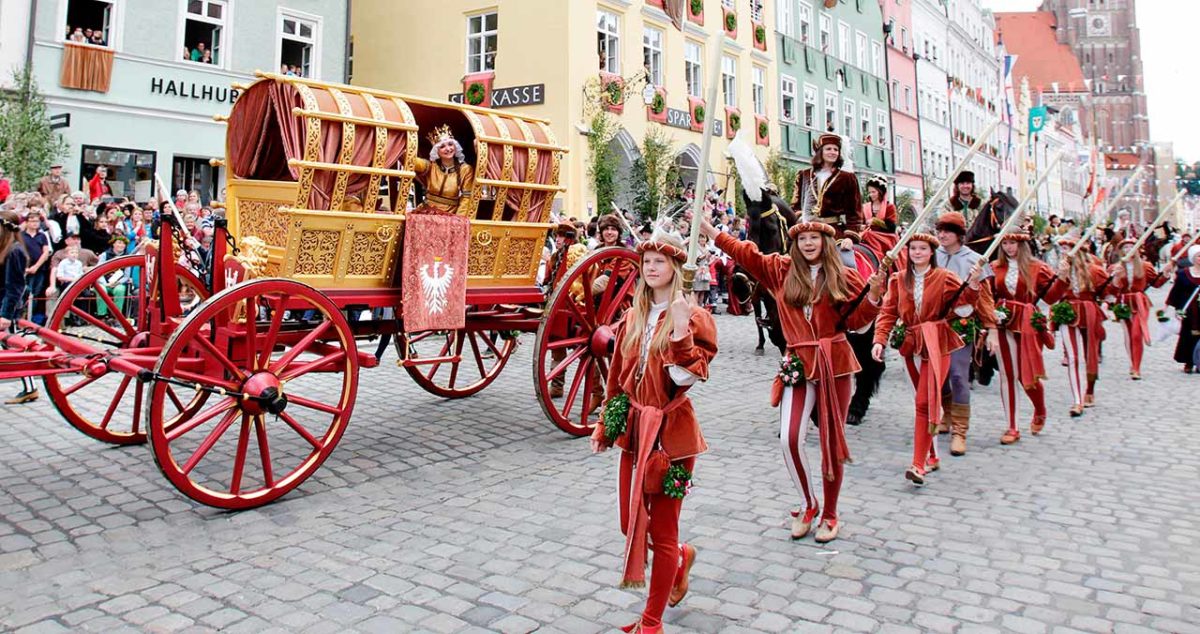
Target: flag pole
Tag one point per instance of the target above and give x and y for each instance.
(714, 77)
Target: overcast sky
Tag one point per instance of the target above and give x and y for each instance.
(1168, 37)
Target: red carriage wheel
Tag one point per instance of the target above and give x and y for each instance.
(282, 391)
(456, 363)
(109, 407)
(572, 348)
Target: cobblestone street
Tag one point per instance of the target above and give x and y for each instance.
(479, 515)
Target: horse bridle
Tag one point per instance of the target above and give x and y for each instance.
(780, 224)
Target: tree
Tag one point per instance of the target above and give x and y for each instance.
(905, 207)
(602, 164)
(28, 147)
(782, 172)
(652, 173)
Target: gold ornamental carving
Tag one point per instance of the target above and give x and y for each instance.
(369, 255)
(483, 237)
(342, 180)
(318, 252)
(312, 145)
(262, 218)
(521, 251)
(481, 259)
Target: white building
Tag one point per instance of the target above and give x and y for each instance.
(14, 39)
(929, 39)
(973, 74)
(141, 101)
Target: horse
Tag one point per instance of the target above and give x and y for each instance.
(990, 219)
(769, 220)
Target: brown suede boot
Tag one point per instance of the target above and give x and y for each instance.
(960, 421)
(944, 426)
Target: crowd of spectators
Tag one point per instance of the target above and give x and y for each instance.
(86, 36)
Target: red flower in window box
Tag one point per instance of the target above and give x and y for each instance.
(612, 92)
(733, 122)
(696, 108)
(657, 110)
(762, 130)
(477, 89)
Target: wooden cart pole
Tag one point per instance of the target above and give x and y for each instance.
(1162, 215)
(714, 77)
(1137, 174)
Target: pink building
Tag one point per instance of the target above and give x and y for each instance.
(902, 78)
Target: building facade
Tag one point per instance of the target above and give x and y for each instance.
(528, 55)
(902, 85)
(14, 39)
(833, 78)
(973, 76)
(140, 97)
(1107, 43)
(930, 27)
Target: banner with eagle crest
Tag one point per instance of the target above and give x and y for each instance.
(434, 281)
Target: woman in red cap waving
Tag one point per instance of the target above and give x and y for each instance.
(921, 297)
(819, 301)
(664, 344)
(1130, 278)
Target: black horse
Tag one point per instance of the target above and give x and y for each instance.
(990, 219)
(768, 222)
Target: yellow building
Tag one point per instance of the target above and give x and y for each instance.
(555, 58)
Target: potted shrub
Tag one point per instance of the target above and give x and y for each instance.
(695, 11)
(612, 92)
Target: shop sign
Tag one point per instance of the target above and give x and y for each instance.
(682, 119)
(192, 90)
(531, 95)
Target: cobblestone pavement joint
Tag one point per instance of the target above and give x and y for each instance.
(477, 515)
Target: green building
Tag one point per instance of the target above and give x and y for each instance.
(832, 76)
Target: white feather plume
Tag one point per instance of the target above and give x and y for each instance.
(751, 172)
(847, 153)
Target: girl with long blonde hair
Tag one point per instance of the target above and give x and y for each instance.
(1020, 281)
(1130, 279)
(664, 344)
(816, 296)
(1079, 276)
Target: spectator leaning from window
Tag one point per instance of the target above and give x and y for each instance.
(53, 185)
(206, 57)
(13, 262)
(97, 186)
(198, 52)
(87, 35)
(98, 38)
(187, 54)
(76, 35)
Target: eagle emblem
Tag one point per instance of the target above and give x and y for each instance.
(435, 283)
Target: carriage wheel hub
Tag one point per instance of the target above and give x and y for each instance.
(602, 341)
(262, 393)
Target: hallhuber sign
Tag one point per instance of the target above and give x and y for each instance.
(515, 96)
(192, 90)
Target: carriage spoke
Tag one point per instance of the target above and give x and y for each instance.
(180, 428)
(304, 433)
(268, 344)
(116, 400)
(113, 310)
(251, 335)
(580, 373)
(610, 310)
(264, 450)
(566, 362)
(311, 404)
(587, 322)
(209, 441)
(433, 369)
(205, 381)
(568, 343)
(487, 339)
(221, 358)
(458, 348)
(589, 298)
(137, 405)
(97, 322)
(300, 347)
(300, 370)
(478, 355)
(239, 458)
(175, 399)
(86, 381)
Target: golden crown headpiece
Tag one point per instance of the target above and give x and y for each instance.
(439, 134)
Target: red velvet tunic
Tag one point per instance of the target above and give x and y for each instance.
(1021, 306)
(681, 435)
(841, 204)
(1133, 293)
(1088, 315)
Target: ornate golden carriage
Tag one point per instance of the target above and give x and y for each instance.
(322, 173)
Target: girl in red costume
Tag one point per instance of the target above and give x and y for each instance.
(921, 297)
(1019, 281)
(1079, 276)
(816, 296)
(664, 344)
(1129, 282)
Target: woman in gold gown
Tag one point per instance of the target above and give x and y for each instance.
(446, 176)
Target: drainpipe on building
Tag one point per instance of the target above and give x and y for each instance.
(346, 52)
(29, 39)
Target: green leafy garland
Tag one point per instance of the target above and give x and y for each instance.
(1063, 314)
(677, 482)
(730, 22)
(735, 121)
(1122, 312)
(791, 370)
(899, 332)
(762, 129)
(698, 114)
(966, 327)
(1003, 314)
(475, 94)
(659, 104)
(760, 34)
(1038, 321)
(614, 92)
(697, 7)
(615, 417)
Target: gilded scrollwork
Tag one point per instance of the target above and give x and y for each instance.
(369, 255)
(521, 256)
(262, 218)
(318, 252)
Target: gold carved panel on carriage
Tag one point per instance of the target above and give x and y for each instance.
(323, 174)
